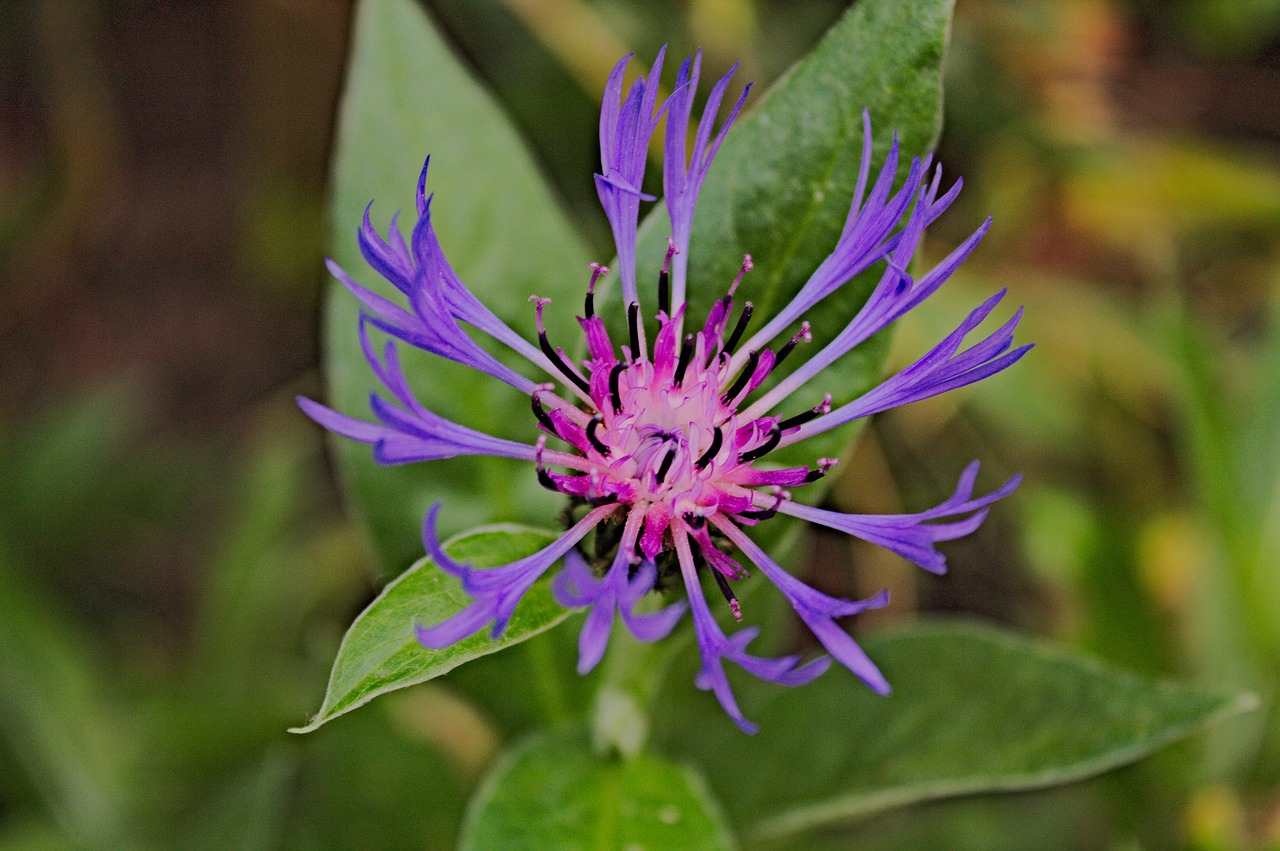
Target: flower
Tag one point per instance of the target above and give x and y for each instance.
(660, 444)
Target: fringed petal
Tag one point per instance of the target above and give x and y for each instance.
(913, 536)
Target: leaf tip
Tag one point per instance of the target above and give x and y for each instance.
(308, 728)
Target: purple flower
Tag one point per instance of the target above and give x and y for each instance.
(663, 443)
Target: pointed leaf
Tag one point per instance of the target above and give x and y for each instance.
(407, 96)
(782, 183)
(380, 652)
(973, 710)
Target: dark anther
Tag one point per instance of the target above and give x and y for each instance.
(815, 474)
(664, 292)
(686, 354)
(743, 319)
(759, 514)
(729, 596)
(615, 392)
(695, 521)
(607, 499)
(558, 362)
(717, 438)
(665, 466)
(800, 418)
(743, 377)
(633, 326)
(785, 350)
(597, 272)
(541, 414)
(544, 479)
(595, 440)
(775, 434)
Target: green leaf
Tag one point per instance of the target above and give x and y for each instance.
(552, 792)
(1067, 818)
(380, 653)
(973, 710)
(273, 562)
(782, 183)
(250, 811)
(407, 96)
(55, 714)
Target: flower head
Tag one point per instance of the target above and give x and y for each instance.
(662, 446)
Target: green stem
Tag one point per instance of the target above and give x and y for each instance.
(548, 680)
(632, 672)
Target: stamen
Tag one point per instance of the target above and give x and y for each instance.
(597, 272)
(664, 279)
(799, 419)
(824, 465)
(541, 413)
(633, 327)
(615, 392)
(544, 478)
(552, 354)
(665, 466)
(804, 417)
(695, 521)
(717, 438)
(743, 377)
(805, 336)
(747, 265)
(779, 496)
(686, 353)
(743, 319)
(729, 596)
(775, 435)
(593, 437)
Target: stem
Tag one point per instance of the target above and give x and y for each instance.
(548, 680)
(632, 673)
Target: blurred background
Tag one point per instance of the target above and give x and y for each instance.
(175, 566)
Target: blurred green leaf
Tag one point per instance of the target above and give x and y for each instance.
(250, 812)
(274, 561)
(781, 186)
(408, 96)
(380, 652)
(1129, 195)
(973, 710)
(1061, 819)
(62, 466)
(549, 689)
(552, 792)
(366, 784)
(35, 836)
(55, 717)
(1228, 29)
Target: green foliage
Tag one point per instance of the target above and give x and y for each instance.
(782, 183)
(973, 710)
(380, 652)
(406, 97)
(1154, 527)
(54, 716)
(552, 792)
